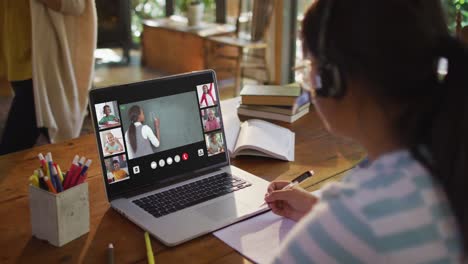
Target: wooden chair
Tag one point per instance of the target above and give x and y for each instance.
(249, 47)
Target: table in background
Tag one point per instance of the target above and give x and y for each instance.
(316, 149)
(169, 45)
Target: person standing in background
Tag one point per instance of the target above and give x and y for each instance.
(47, 53)
(21, 130)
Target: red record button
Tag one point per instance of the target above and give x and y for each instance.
(185, 156)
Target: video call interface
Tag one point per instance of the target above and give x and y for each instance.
(160, 136)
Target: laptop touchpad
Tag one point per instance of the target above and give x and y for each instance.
(223, 209)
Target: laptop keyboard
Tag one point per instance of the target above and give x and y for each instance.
(163, 203)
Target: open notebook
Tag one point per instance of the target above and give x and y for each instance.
(256, 137)
(259, 237)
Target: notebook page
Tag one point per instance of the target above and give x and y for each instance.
(258, 238)
(230, 121)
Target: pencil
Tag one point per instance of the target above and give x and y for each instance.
(149, 249)
(110, 254)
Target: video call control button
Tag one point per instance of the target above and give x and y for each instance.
(169, 161)
(185, 156)
(177, 158)
(154, 165)
(136, 169)
(201, 152)
(161, 163)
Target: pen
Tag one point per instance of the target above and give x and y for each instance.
(81, 161)
(49, 184)
(149, 250)
(110, 254)
(59, 187)
(34, 180)
(50, 172)
(43, 162)
(73, 168)
(296, 181)
(42, 183)
(82, 176)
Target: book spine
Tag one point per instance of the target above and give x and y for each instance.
(267, 115)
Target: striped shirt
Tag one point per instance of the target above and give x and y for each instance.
(390, 212)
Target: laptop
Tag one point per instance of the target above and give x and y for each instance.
(164, 157)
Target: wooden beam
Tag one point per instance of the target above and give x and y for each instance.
(285, 40)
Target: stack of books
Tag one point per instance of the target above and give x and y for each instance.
(275, 102)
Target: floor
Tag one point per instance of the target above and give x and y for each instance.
(109, 72)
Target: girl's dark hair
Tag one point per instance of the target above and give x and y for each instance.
(395, 46)
(133, 114)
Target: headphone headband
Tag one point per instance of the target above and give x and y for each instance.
(331, 82)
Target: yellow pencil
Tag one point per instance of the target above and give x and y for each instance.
(59, 172)
(149, 249)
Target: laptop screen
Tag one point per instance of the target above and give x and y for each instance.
(159, 131)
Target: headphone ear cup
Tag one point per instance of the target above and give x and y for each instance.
(331, 82)
(338, 89)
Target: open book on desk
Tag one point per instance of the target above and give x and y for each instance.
(261, 138)
(255, 137)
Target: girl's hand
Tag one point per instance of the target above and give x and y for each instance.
(156, 122)
(292, 203)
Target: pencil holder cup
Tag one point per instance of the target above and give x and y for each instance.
(59, 218)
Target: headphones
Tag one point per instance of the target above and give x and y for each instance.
(330, 81)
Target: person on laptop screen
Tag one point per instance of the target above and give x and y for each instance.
(207, 98)
(214, 146)
(141, 137)
(212, 122)
(118, 173)
(108, 119)
(112, 145)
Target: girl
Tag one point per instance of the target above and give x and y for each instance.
(388, 75)
(212, 122)
(140, 136)
(112, 145)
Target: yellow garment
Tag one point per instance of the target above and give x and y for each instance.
(119, 175)
(15, 40)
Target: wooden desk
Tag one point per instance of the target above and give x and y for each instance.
(169, 45)
(315, 148)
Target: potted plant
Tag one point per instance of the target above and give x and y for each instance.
(195, 11)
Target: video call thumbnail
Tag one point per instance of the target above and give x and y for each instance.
(214, 143)
(112, 141)
(160, 124)
(206, 95)
(107, 115)
(117, 169)
(210, 118)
